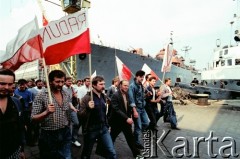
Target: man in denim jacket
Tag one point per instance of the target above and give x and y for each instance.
(136, 97)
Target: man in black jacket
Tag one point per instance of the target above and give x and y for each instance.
(121, 117)
(93, 115)
(11, 125)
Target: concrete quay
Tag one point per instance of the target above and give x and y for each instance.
(214, 127)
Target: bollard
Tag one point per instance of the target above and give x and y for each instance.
(202, 99)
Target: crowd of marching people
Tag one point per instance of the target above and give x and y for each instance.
(50, 114)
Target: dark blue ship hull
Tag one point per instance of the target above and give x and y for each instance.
(103, 61)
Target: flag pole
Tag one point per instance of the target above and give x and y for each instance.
(45, 71)
(47, 81)
(90, 74)
(48, 85)
(163, 76)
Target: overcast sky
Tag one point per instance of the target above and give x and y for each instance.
(142, 24)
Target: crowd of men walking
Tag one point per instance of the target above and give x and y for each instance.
(51, 115)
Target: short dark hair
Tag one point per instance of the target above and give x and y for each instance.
(166, 80)
(22, 81)
(86, 78)
(151, 78)
(147, 76)
(97, 79)
(37, 81)
(140, 73)
(79, 80)
(56, 73)
(8, 72)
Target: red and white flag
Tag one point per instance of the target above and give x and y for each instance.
(124, 72)
(148, 70)
(167, 59)
(25, 47)
(66, 37)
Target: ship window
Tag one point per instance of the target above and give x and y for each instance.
(223, 63)
(226, 52)
(214, 82)
(178, 79)
(237, 61)
(217, 63)
(238, 83)
(229, 62)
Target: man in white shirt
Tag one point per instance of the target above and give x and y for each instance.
(113, 88)
(75, 122)
(82, 91)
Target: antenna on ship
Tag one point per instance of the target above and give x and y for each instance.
(186, 49)
(236, 19)
(100, 41)
(171, 37)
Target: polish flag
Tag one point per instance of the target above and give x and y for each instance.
(25, 47)
(124, 72)
(167, 59)
(66, 37)
(148, 70)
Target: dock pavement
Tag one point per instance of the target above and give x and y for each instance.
(206, 132)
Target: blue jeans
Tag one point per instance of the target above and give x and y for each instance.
(171, 114)
(55, 143)
(75, 126)
(140, 124)
(101, 133)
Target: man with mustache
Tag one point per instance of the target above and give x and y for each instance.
(55, 136)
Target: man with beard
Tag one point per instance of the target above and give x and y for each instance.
(95, 126)
(137, 101)
(11, 126)
(55, 135)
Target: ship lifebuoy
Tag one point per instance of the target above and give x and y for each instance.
(82, 56)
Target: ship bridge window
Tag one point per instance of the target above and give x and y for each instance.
(237, 61)
(226, 52)
(222, 62)
(229, 62)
